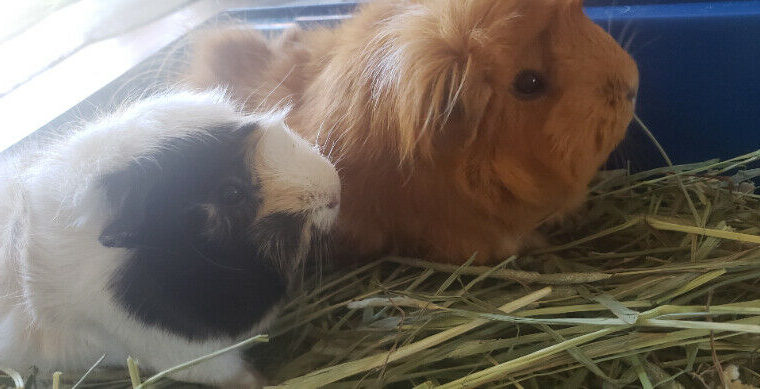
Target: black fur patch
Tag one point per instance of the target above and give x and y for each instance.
(190, 276)
(282, 232)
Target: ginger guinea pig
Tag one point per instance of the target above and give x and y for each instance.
(457, 126)
(166, 231)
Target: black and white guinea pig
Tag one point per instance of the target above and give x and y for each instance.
(165, 232)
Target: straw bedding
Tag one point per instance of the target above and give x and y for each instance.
(655, 283)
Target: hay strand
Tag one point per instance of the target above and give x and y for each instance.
(154, 379)
(332, 374)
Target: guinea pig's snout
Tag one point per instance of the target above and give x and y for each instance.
(631, 95)
(325, 211)
(333, 203)
(631, 80)
(295, 178)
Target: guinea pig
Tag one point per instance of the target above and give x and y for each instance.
(166, 231)
(457, 126)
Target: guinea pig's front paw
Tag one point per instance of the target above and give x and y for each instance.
(225, 371)
(510, 245)
(535, 240)
(247, 379)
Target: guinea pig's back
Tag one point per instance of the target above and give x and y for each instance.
(13, 231)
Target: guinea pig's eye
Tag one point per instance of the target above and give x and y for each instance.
(529, 84)
(231, 194)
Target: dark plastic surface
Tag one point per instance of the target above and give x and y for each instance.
(643, 2)
(699, 62)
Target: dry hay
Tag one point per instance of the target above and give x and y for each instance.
(653, 284)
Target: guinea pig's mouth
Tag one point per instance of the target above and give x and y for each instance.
(322, 219)
(287, 238)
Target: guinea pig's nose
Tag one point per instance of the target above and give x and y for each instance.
(631, 95)
(334, 202)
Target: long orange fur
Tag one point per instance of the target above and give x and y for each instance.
(414, 101)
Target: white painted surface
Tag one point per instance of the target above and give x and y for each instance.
(62, 60)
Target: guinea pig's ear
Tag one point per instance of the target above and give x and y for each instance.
(234, 57)
(126, 191)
